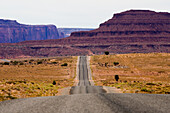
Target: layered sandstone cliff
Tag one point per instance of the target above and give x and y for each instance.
(133, 23)
(11, 32)
(134, 31)
(129, 31)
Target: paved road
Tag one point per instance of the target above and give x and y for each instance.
(84, 85)
(83, 72)
(90, 103)
(86, 98)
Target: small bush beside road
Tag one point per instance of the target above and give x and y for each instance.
(36, 77)
(138, 72)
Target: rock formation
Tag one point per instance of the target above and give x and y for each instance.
(130, 31)
(133, 23)
(133, 31)
(11, 32)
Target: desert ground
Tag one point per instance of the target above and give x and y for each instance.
(22, 78)
(138, 72)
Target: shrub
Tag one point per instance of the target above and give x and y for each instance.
(54, 62)
(6, 63)
(106, 64)
(116, 77)
(15, 62)
(51, 85)
(54, 82)
(146, 90)
(39, 62)
(31, 60)
(150, 84)
(161, 71)
(21, 63)
(116, 63)
(25, 60)
(11, 97)
(65, 64)
(167, 92)
(32, 82)
(106, 52)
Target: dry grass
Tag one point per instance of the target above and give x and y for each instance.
(27, 78)
(135, 71)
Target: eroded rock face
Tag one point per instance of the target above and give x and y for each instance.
(132, 23)
(134, 31)
(130, 31)
(12, 32)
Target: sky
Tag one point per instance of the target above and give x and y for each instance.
(73, 13)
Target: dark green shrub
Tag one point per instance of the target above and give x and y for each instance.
(6, 63)
(161, 71)
(39, 62)
(15, 62)
(10, 82)
(32, 82)
(106, 64)
(11, 97)
(146, 90)
(54, 62)
(54, 82)
(150, 84)
(21, 63)
(31, 60)
(116, 63)
(106, 52)
(116, 77)
(65, 64)
(25, 60)
(167, 92)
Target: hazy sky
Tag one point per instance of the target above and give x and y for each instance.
(73, 13)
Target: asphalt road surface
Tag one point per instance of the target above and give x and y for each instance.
(90, 103)
(84, 85)
(83, 72)
(86, 98)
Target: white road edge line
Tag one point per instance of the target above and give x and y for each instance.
(89, 71)
(77, 72)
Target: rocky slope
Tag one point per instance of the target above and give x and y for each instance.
(133, 31)
(11, 32)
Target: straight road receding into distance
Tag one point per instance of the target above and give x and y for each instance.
(87, 98)
(84, 85)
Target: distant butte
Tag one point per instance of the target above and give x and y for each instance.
(11, 32)
(133, 23)
(133, 31)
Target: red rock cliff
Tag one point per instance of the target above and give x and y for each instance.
(133, 23)
(134, 31)
(11, 32)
